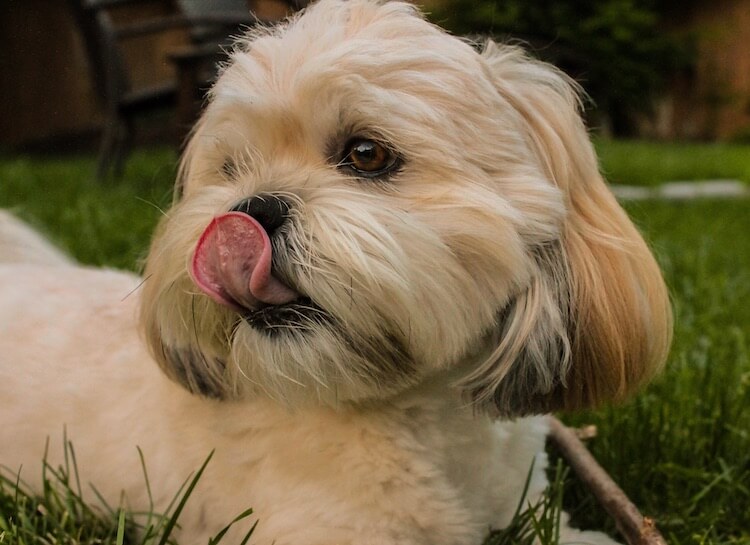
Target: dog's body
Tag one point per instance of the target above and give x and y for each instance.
(319, 476)
(416, 470)
(316, 477)
(384, 241)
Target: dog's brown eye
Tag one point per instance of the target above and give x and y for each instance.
(368, 158)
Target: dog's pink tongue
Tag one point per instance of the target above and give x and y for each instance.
(232, 264)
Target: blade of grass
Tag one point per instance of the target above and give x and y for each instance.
(173, 519)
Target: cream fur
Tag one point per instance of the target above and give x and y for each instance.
(19, 244)
(491, 275)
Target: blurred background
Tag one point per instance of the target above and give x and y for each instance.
(66, 64)
(664, 69)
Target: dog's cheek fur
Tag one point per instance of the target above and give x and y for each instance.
(186, 333)
(400, 270)
(595, 323)
(389, 316)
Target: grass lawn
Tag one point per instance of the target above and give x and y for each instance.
(681, 449)
(638, 162)
(100, 224)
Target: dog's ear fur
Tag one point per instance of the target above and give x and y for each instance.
(595, 323)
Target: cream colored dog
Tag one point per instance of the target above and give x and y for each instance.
(388, 252)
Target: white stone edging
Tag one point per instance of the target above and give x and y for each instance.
(721, 189)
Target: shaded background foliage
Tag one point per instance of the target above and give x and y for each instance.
(617, 50)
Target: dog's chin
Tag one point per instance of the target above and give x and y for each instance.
(297, 318)
(300, 354)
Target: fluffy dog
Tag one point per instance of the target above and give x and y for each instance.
(388, 252)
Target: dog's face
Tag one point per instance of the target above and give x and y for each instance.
(368, 202)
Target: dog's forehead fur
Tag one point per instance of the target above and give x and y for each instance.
(347, 67)
(337, 41)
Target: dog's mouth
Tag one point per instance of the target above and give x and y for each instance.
(296, 317)
(233, 264)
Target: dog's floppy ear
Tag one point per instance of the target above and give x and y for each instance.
(595, 322)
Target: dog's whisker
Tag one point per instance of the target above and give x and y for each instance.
(162, 212)
(135, 289)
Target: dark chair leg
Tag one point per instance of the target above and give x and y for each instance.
(124, 147)
(107, 147)
(116, 145)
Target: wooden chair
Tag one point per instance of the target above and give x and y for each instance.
(104, 39)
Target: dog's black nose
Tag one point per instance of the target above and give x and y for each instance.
(270, 210)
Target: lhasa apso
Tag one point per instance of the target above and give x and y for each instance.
(388, 252)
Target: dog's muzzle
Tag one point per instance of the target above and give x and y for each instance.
(233, 264)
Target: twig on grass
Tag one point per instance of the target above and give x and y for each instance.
(637, 529)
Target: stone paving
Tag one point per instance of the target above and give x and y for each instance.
(715, 189)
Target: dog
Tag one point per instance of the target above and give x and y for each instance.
(389, 255)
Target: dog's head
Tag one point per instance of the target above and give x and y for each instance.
(368, 203)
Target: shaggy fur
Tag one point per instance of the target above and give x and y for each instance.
(486, 276)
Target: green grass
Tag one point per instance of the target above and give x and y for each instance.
(638, 162)
(537, 523)
(100, 224)
(681, 450)
(59, 515)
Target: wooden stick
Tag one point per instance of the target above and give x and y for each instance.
(637, 529)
